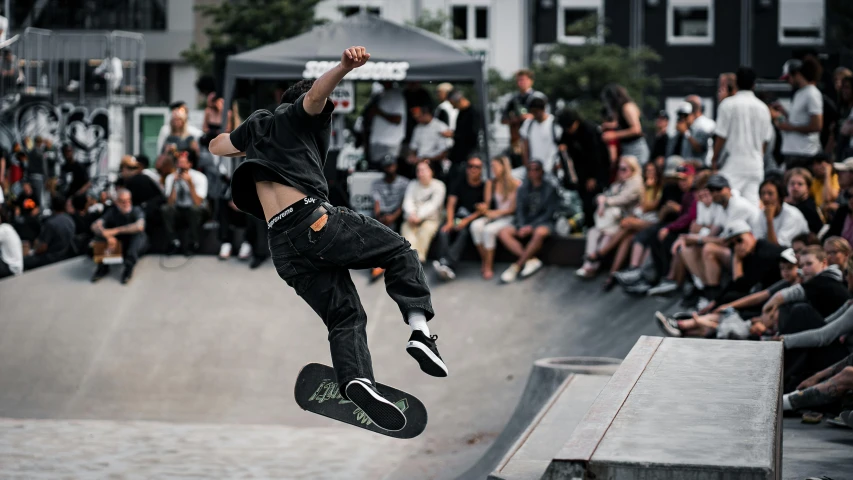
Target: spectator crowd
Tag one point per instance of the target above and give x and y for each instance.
(748, 216)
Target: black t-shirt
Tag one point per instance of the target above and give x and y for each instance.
(761, 267)
(588, 153)
(57, 233)
(291, 144)
(809, 209)
(671, 192)
(36, 163)
(466, 135)
(467, 197)
(517, 105)
(79, 176)
(659, 147)
(142, 188)
(114, 217)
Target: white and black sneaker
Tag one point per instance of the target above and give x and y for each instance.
(423, 349)
(378, 409)
(629, 277)
(668, 325)
(664, 288)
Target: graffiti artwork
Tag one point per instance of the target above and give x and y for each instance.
(27, 117)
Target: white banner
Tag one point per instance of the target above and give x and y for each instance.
(343, 96)
(393, 71)
(359, 191)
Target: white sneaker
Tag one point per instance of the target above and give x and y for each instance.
(225, 251)
(627, 277)
(510, 274)
(703, 302)
(664, 288)
(245, 251)
(444, 272)
(668, 325)
(530, 267)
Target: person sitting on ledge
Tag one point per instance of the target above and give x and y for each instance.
(123, 223)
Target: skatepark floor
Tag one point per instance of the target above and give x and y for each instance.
(189, 371)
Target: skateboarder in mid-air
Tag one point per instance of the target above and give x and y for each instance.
(314, 244)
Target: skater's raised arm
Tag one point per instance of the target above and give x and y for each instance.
(315, 99)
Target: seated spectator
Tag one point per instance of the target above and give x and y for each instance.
(799, 182)
(56, 240)
(825, 188)
(26, 214)
(617, 202)
(145, 191)
(186, 192)
(422, 209)
(837, 252)
(845, 181)
(800, 242)
(746, 308)
(11, 250)
(464, 205)
(842, 221)
(122, 223)
(831, 385)
(706, 258)
(387, 193)
(484, 230)
(428, 140)
(779, 223)
(534, 218)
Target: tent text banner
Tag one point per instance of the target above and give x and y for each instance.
(392, 71)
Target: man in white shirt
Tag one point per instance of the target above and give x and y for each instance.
(186, 193)
(388, 126)
(166, 129)
(445, 110)
(801, 129)
(11, 250)
(743, 131)
(700, 133)
(428, 140)
(539, 138)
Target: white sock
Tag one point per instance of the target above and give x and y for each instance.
(786, 403)
(418, 321)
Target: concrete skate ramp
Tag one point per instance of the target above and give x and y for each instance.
(209, 343)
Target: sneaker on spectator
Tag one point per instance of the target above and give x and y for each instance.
(100, 272)
(628, 277)
(174, 247)
(245, 251)
(530, 267)
(126, 275)
(641, 287)
(702, 303)
(510, 274)
(669, 325)
(444, 272)
(664, 288)
(225, 251)
(257, 262)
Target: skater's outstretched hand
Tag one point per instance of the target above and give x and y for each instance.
(354, 57)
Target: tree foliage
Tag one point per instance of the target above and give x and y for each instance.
(434, 22)
(248, 24)
(578, 73)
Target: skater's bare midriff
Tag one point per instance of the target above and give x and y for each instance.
(275, 197)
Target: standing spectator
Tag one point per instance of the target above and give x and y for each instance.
(387, 118)
(416, 96)
(11, 250)
(186, 192)
(56, 240)
(539, 136)
(626, 126)
(726, 86)
(799, 183)
(180, 139)
(844, 126)
(429, 142)
(10, 74)
(37, 169)
(125, 224)
(75, 174)
(582, 143)
(466, 201)
(517, 109)
(801, 129)
(422, 209)
(825, 186)
(445, 110)
(387, 193)
(743, 129)
(212, 125)
(700, 133)
(484, 230)
(779, 223)
(466, 135)
(679, 146)
(662, 139)
(534, 218)
(166, 129)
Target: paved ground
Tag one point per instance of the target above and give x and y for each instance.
(189, 370)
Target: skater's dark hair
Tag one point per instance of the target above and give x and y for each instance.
(296, 90)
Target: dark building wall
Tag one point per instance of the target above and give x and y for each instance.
(618, 20)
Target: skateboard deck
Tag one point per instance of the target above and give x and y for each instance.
(317, 392)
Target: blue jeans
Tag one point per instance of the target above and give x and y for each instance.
(316, 264)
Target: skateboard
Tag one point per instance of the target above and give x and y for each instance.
(317, 392)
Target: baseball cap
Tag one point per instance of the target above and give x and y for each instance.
(444, 87)
(663, 114)
(735, 228)
(718, 182)
(685, 108)
(844, 166)
(791, 67)
(672, 164)
(788, 256)
(685, 170)
(388, 160)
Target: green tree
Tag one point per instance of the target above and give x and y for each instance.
(434, 22)
(248, 24)
(577, 73)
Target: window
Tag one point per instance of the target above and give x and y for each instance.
(470, 22)
(572, 11)
(690, 22)
(352, 10)
(801, 22)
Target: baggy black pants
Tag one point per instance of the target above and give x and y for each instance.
(316, 264)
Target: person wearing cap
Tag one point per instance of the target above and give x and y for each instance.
(387, 193)
(387, 118)
(747, 308)
(743, 131)
(517, 110)
(539, 137)
(660, 146)
(679, 144)
(801, 129)
(582, 145)
(701, 131)
(779, 223)
(825, 187)
(445, 111)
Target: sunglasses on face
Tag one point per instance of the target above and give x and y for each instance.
(474, 166)
(624, 169)
(714, 189)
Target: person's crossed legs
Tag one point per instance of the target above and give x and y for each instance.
(527, 263)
